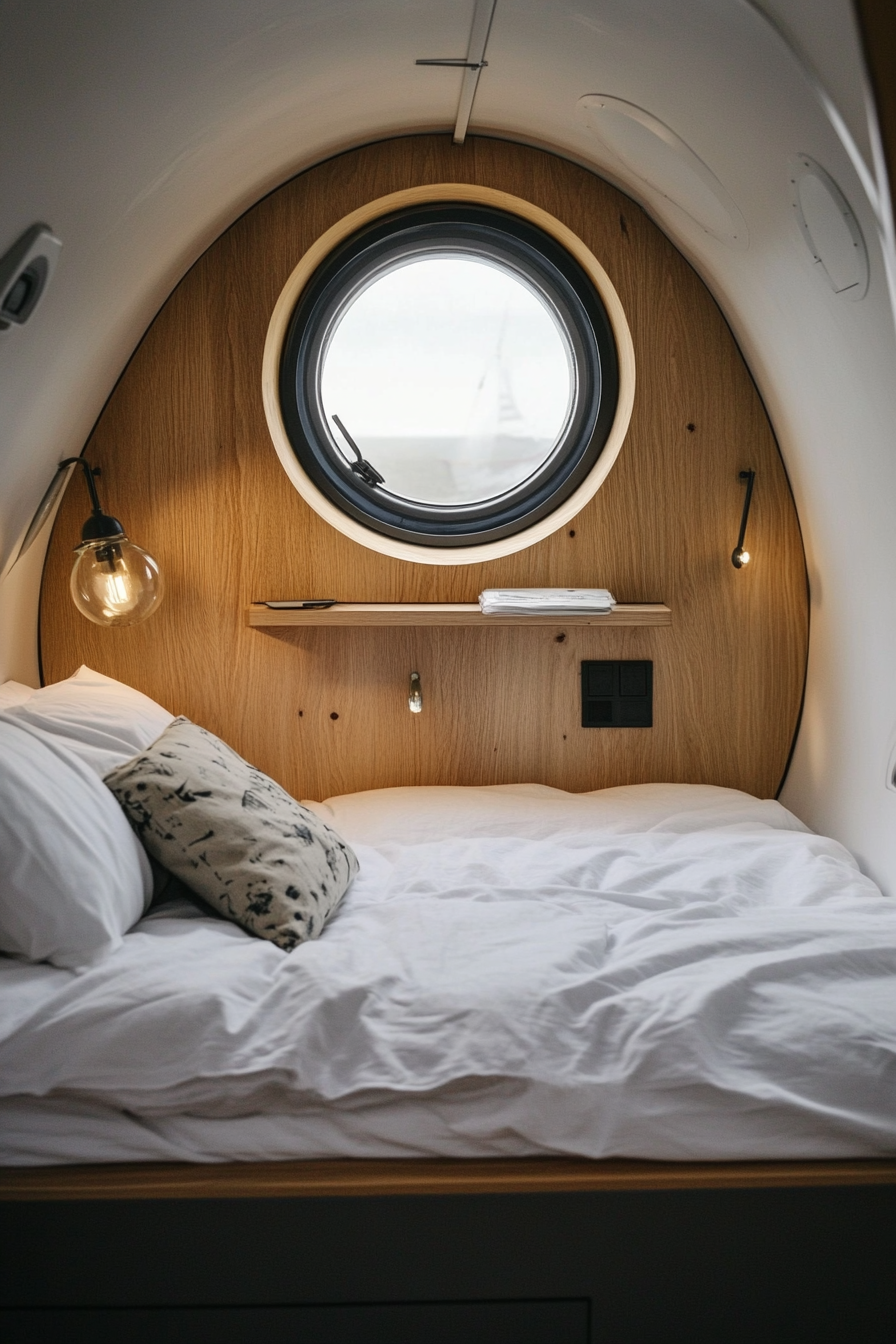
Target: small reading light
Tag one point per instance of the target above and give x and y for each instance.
(415, 694)
(740, 557)
(113, 581)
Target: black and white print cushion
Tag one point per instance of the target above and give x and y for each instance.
(233, 836)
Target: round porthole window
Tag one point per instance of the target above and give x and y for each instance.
(448, 379)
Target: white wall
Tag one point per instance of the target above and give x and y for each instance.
(141, 130)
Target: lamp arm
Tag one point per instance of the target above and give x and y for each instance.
(749, 477)
(89, 473)
(50, 499)
(99, 525)
(738, 557)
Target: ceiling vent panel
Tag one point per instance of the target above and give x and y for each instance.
(829, 228)
(661, 159)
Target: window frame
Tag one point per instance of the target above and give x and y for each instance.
(357, 517)
(518, 247)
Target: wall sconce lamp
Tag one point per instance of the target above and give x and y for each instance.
(740, 557)
(113, 582)
(415, 694)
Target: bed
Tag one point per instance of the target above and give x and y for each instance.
(672, 973)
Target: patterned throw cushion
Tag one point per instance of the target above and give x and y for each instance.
(234, 836)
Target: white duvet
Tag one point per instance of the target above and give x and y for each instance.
(655, 971)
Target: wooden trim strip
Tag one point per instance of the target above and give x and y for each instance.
(447, 613)
(303, 1180)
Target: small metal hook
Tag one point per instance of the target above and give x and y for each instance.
(415, 694)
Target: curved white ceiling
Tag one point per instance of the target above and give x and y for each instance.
(139, 131)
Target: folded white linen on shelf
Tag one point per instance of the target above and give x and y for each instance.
(545, 601)
(654, 973)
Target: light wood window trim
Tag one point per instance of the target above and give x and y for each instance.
(468, 193)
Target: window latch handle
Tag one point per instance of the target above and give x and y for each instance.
(369, 474)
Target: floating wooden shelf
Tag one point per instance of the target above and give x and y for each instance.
(446, 613)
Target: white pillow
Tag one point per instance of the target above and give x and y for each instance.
(101, 720)
(14, 693)
(420, 815)
(73, 876)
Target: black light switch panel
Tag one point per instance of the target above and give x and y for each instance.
(617, 694)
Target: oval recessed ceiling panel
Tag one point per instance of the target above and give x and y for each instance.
(830, 229)
(661, 159)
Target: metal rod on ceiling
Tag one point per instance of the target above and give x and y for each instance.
(472, 65)
(453, 62)
(479, 33)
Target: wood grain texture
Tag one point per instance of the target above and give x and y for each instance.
(379, 614)
(354, 1177)
(189, 465)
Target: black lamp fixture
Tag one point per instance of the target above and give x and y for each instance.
(113, 582)
(740, 557)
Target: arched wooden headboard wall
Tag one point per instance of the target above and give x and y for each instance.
(188, 464)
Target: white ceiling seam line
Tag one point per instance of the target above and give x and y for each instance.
(479, 35)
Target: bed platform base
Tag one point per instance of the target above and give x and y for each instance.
(541, 1251)
(302, 1180)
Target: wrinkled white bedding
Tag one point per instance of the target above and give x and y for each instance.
(663, 971)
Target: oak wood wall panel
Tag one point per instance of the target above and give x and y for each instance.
(189, 466)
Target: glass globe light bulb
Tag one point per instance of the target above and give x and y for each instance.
(114, 582)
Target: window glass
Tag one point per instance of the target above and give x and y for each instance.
(453, 375)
